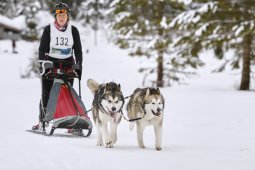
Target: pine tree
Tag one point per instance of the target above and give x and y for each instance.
(94, 13)
(10, 8)
(220, 25)
(31, 7)
(141, 27)
(4, 6)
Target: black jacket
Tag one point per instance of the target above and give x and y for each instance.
(45, 44)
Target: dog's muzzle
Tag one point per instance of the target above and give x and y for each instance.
(112, 114)
(158, 113)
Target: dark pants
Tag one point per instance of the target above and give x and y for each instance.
(46, 87)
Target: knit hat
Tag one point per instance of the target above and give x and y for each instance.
(61, 8)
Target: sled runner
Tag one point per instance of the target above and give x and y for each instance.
(65, 108)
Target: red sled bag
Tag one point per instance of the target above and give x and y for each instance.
(65, 108)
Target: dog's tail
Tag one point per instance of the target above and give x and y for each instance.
(93, 85)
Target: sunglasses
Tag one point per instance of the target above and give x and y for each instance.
(58, 11)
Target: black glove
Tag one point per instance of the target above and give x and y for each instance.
(78, 69)
(44, 67)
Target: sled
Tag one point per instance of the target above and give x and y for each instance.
(65, 108)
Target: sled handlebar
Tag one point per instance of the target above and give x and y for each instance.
(60, 70)
(60, 74)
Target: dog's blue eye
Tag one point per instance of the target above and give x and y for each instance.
(109, 101)
(116, 101)
(153, 103)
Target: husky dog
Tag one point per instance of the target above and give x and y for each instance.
(147, 105)
(107, 105)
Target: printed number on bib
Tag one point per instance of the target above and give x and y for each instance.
(62, 41)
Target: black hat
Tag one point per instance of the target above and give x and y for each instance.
(60, 7)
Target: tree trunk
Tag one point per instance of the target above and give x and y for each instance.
(245, 81)
(160, 68)
(96, 22)
(160, 82)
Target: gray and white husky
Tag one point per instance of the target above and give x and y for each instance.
(147, 104)
(106, 108)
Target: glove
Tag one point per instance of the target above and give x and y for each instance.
(44, 66)
(78, 69)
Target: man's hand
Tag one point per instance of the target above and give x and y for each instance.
(78, 69)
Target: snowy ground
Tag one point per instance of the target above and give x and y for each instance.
(208, 124)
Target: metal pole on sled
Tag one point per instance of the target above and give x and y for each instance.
(89, 130)
(80, 88)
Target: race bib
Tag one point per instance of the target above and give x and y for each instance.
(61, 43)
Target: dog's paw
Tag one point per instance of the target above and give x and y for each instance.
(100, 144)
(131, 125)
(142, 146)
(109, 144)
(158, 148)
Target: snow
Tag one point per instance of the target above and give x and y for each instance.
(163, 23)
(202, 29)
(208, 124)
(42, 22)
(186, 2)
(185, 18)
(206, 7)
(238, 29)
(192, 16)
(17, 23)
(121, 16)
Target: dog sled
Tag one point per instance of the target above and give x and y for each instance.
(65, 108)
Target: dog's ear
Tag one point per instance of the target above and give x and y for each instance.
(158, 91)
(106, 87)
(118, 88)
(147, 92)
